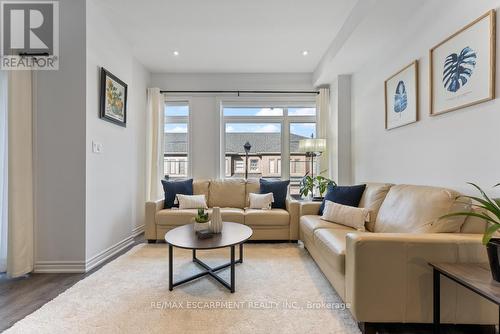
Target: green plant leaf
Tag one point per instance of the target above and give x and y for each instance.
(471, 214)
(485, 205)
(489, 233)
(482, 193)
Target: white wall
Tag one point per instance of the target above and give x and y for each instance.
(205, 112)
(59, 144)
(446, 150)
(115, 178)
(340, 168)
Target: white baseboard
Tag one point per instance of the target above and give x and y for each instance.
(85, 266)
(109, 252)
(59, 267)
(138, 230)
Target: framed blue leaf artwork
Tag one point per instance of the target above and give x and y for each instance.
(401, 97)
(462, 67)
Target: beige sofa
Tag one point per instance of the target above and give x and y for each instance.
(231, 195)
(383, 273)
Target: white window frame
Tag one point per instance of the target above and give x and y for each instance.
(284, 121)
(180, 119)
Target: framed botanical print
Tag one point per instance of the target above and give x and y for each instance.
(113, 99)
(401, 97)
(462, 67)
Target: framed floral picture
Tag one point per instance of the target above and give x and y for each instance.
(401, 97)
(113, 99)
(462, 67)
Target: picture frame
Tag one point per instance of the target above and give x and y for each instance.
(113, 99)
(401, 97)
(462, 67)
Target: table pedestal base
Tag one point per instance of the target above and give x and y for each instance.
(211, 271)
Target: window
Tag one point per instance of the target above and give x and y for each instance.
(176, 157)
(254, 165)
(265, 141)
(227, 163)
(272, 166)
(239, 166)
(300, 164)
(253, 111)
(273, 134)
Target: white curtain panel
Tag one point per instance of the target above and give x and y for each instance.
(4, 82)
(155, 123)
(323, 112)
(20, 171)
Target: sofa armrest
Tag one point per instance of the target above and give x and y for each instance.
(388, 278)
(309, 208)
(293, 208)
(152, 208)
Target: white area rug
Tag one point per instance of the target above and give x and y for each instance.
(279, 289)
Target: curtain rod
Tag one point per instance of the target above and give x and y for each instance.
(237, 92)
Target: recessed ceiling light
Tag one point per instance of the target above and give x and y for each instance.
(176, 53)
(305, 53)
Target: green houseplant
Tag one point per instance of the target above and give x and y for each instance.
(201, 220)
(308, 184)
(490, 212)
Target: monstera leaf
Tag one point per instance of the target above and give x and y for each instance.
(457, 68)
(400, 97)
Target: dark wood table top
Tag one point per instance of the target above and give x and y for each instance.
(475, 276)
(185, 237)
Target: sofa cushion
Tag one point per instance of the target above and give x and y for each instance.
(475, 225)
(252, 186)
(416, 209)
(174, 187)
(279, 189)
(229, 193)
(273, 217)
(332, 244)
(178, 217)
(200, 187)
(372, 199)
(192, 201)
(260, 201)
(309, 224)
(346, 215)
(345, 195)
(175, 217)
(234, 215)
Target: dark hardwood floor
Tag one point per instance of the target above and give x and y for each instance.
(24, 295)
(21, 296)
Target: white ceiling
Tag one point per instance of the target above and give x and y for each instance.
(227, 36)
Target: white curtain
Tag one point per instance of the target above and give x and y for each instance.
(323, 112)
(155, 130)
(4, 91)
(20, 174)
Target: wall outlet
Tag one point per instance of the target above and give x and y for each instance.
(96, 147)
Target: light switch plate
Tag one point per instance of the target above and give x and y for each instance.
(96, 147)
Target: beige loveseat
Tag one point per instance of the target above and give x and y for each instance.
(384, 273)
(231, 195)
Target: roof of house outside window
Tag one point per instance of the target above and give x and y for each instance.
(270, 143)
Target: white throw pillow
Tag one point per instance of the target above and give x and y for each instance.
(346, 215)
(261, 201)
(192, 201)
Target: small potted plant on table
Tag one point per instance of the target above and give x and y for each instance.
(201, 221)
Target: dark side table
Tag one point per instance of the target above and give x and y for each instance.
(475, 277)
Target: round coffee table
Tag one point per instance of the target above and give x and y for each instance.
(185, 237)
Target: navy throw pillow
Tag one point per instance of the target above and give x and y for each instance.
(278, 188)
(345, 195)
(174, 187)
